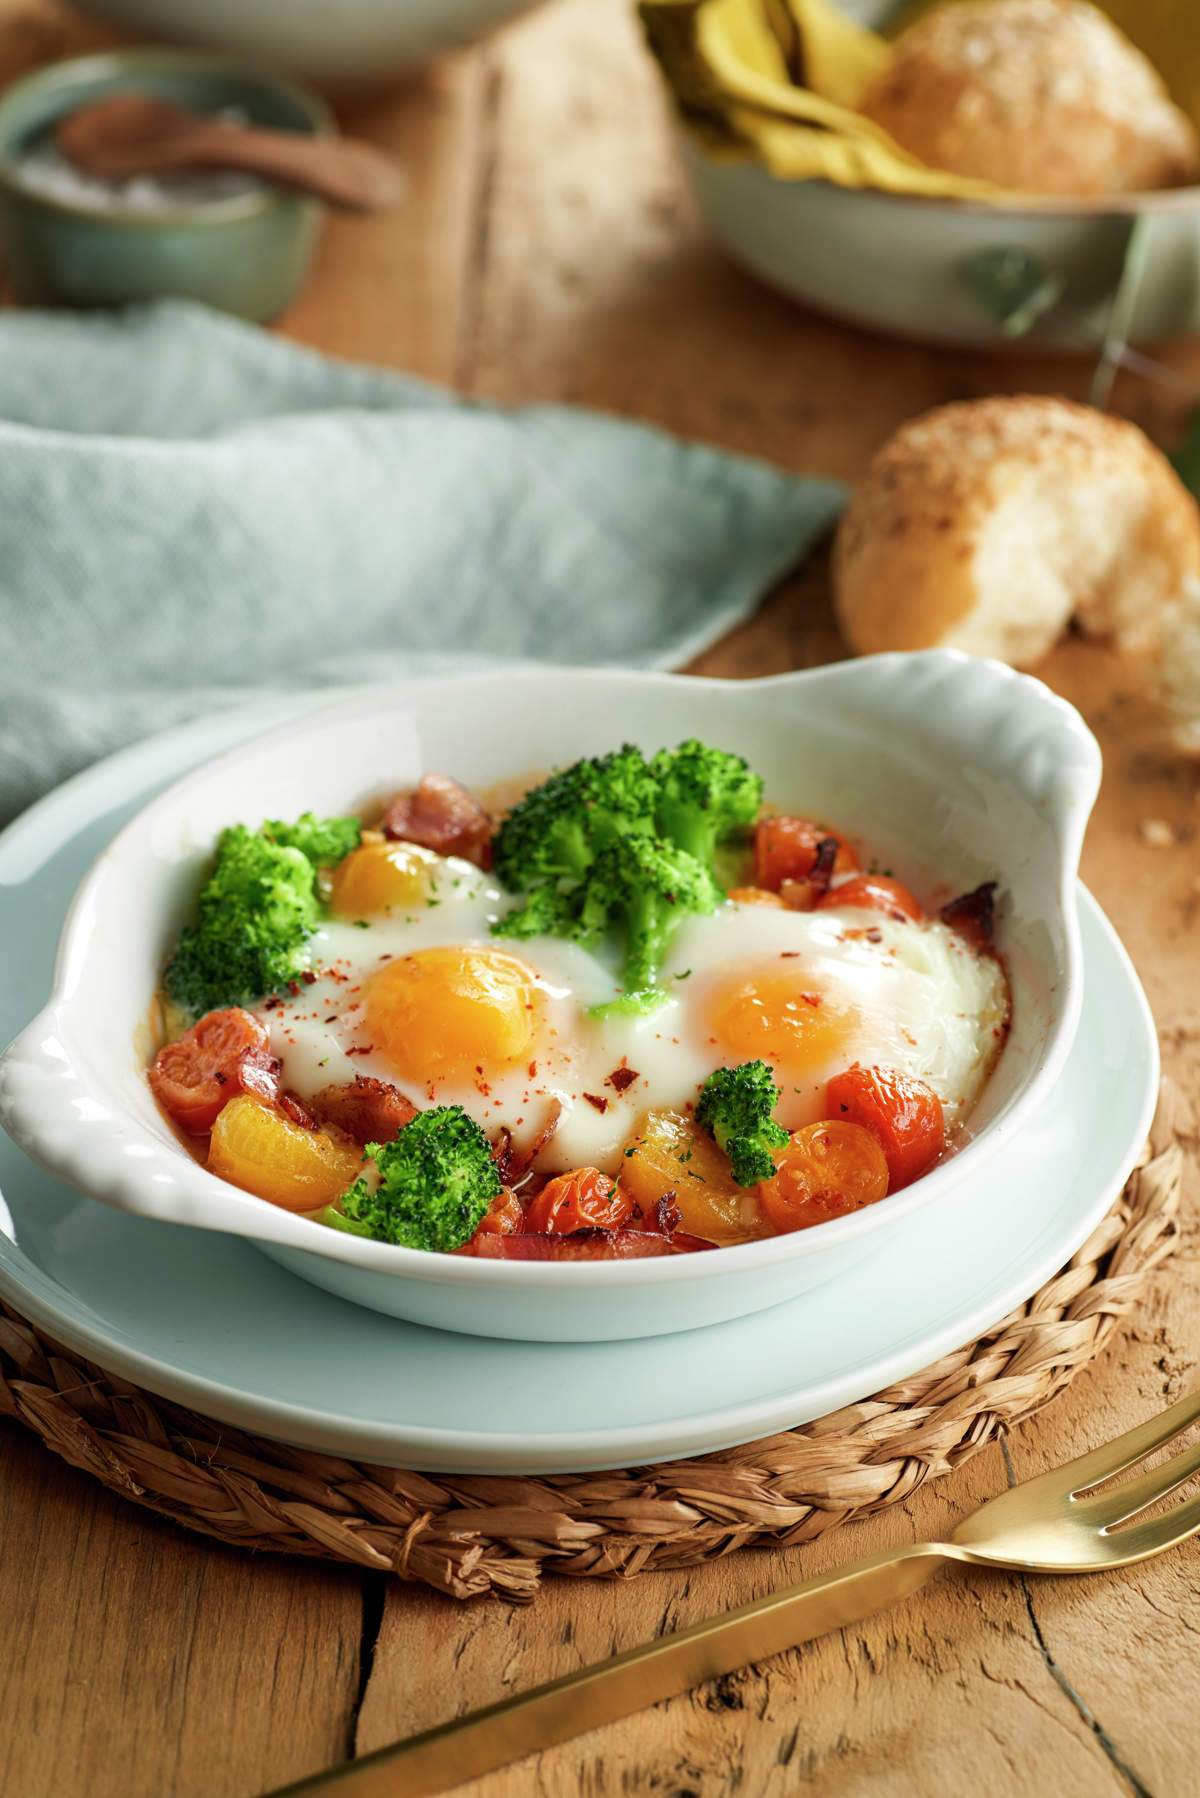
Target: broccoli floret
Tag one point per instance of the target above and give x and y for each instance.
(436, 1180)
(546, 912)
(333, 1219)
(325, 841)
(631, 1005)
(256, 912)
(555, 832)
(735, 1107)
(704, 796)
(619, 842)
(645, 887)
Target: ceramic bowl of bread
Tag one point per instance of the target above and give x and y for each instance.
(982, 172)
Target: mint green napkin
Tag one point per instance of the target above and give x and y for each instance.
(194, 512)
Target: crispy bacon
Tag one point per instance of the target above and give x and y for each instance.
(514, 1162)
(802, 895)
(441, 815)
(369, 1110)
(973, 916)
(293, 1107)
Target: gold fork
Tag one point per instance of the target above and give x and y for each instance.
(1046, 1525)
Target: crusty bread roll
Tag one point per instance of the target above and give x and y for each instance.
(990, 524)
(1043, 96)
(1179, 668)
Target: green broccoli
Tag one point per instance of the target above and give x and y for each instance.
(436, 1180)
(645, 887)
(616, 842)
(256, 912)
(325, 841)
(638, 1004)
(705, 796)
(546, 911)
(735, 1107)
(555, 832)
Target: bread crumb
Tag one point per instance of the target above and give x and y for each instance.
(1156, 833)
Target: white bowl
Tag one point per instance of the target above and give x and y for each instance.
(336, 43)
(946, 765)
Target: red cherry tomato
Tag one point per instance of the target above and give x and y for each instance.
(226, 1053)
(583, 1200)
(504, 1217)
(902, 1114)
(875, 892)
(825, 1171)
(785, 848)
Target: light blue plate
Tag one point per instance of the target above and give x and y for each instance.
(208, 1321)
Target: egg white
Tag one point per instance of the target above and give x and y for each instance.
(924, 1003)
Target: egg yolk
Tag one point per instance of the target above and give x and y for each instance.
(777, 1017)
(444, 1014)
(379, 877)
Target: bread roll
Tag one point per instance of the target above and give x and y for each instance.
(1179, 668)
(1042, 96)
(989, 525)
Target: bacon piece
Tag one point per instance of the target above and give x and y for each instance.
(575, 1245)
(502, 1150)
(293, 1106)
(441, 815)
(514, 1162)
(802, 895)
(973, 916)
(621, 1078)
(369, 1110)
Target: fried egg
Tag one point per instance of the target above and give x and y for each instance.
(412, 987)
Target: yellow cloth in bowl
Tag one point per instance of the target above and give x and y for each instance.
(778, 81)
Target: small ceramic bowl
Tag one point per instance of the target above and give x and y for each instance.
(336, 43)
(246, 253)
(935, 269)
(943, 764)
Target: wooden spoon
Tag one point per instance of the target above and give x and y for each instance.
(138, 134)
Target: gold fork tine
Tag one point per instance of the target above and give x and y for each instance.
(1112, 1458)
(1136, 1495)
(1157, 1533)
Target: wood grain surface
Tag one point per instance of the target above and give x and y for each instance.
(548, 251)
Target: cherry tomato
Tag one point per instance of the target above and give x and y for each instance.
(785, 848)
(579, 1245)
(827, 1170)
(875, 892)
(503, 1217)
(902, 1114)
(583, 1200)
(226, 1053)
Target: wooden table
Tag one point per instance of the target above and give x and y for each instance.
(548, 251)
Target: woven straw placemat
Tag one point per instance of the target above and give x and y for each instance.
(477, 1534)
